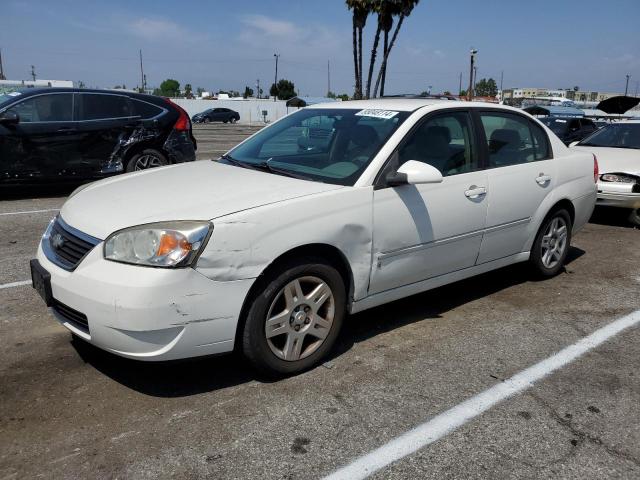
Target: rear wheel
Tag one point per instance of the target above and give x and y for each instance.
(206, 120)
(148, 158)
(552, 244)
(233, 120)
(295, 318)
(634, 217)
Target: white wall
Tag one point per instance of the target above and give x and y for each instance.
(249, 110)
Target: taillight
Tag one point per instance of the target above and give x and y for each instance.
(183, 123)
(596, 170)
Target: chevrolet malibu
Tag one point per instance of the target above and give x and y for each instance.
(331, 210)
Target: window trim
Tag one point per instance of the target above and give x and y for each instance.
(24, 99)
(380, 181)
(502, 113)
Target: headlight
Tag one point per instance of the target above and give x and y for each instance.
(165, 244)
(616, 177)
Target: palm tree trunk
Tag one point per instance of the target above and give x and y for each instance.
(372, 61)
(360, 62)
(384, 68)
(384, 60)
(355, 58)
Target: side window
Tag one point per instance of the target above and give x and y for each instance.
(445, 142)
(95, 106)
(512, 140)
(45, 108)
(145, 110)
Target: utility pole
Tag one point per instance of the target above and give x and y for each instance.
(473, 53)
(636, 94)
(275, 81)
(258, 88)
(2, 77)
(33, 73)
(501, 80)
(328, 78)
(460, 84)
(626, 88)
(475, 81)
(142, 77)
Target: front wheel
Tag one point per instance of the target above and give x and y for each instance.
(233, 119)
(634, 217)
(295, 319)
(552, 244)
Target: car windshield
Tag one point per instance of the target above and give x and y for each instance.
(619, 135)
(331, 145)
(556, 125)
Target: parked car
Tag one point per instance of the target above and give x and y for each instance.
(268, 248)
(570, 129)
(65, 134)
(617, 146)
(225, 115)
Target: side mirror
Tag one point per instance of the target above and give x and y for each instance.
(573, 144)
(9, 118)
(413, 172)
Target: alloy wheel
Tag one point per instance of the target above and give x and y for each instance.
(147, 161)
(300, 318)
(554, 242)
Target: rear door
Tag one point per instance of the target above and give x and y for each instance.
(521, 173)
(105, 120)
(44, 144)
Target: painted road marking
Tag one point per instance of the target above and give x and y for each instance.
(445, 423)
(15, 284)
(25, 212)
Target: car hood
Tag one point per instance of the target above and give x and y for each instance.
(611, 160)
(201, 190)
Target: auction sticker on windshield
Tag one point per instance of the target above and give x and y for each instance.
(376, 113)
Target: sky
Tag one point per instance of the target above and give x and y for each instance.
(220, 44)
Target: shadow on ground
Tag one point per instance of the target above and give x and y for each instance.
(27, 192)
(614, 217)
(191, 377)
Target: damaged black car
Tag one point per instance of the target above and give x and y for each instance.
(74, 135)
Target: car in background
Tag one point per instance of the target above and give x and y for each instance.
(224, 115)
(267, 249)
(64, 134)
(617, 146)
(569, 129)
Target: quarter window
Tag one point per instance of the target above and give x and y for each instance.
(145, 110)
(512, 140)
(101, 107)
(444, 142)
(45, 108)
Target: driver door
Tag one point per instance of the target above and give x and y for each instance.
(423, 231)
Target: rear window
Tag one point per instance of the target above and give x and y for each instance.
(99, 107)
(145, 110)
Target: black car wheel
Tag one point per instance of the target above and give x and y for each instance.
(634, 217)
(206, 120)
(552, 244)
(232, 119)
(148, 158)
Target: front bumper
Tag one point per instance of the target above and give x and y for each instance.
(147, 313)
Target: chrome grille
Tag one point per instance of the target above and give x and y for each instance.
(65, 246)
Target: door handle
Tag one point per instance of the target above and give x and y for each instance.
(542, 179)
(66, 130)
(475, 191)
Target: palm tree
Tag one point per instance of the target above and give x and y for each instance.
(361, 10)
(404, 9)
(385, 10)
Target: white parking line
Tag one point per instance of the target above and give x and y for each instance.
(29, 211)
(439, 426)
(15, 284)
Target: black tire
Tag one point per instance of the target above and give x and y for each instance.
(206, 120)
(155, 158)
(634, 217)
(536, 260)
(233, 119)
(225, 120)
(255, 346)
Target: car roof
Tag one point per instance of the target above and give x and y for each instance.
(404, 104)
(27, 92)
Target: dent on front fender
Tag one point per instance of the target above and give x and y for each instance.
(244, 244)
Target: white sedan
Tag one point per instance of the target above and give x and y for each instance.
(617, 147)
(333, 209)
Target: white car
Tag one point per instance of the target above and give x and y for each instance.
(335, 208)
(617, 147)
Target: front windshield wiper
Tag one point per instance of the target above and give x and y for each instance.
(264, 167)
(239, 163)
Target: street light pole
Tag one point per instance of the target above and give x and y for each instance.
(275, 81)
(626, 88)
(473, 59)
